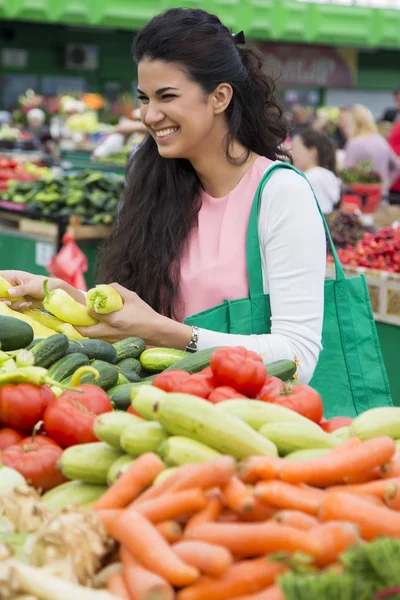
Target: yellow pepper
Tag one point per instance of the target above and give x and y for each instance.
(39, 330)
(70, 331)
(4, 287)
(104, 300)
(52, 322)
(64, 307)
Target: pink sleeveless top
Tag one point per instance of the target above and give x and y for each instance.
(213, 268)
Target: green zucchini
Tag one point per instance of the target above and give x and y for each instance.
(283, 369)
(94, 349)
(72, 492)
(88, 462)
(156, 360)
(108, 427)
(66, 366)
(130, 368)
(143, 437)
(108, 375)
(195, 362)
(49, 350)
(131, 347)
(14, 333)
(118, 467)
(120, 395)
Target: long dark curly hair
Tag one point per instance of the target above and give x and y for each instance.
(163, 196)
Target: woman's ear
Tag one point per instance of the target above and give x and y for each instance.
(222, 97)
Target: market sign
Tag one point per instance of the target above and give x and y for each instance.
(310, 66)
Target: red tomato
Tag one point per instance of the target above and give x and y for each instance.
(335, 423)
(199, 384)
(39, 440)
(168, 380)
(36, 462)
(304, 400)
(223, 392)
(132, 411)
(23, 405)
(239, 368)
(271, 389)
(69, 419)
(9, 437)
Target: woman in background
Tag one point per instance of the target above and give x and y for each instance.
(314, 154)
(366, 144)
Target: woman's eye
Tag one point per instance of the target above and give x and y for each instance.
(168, 96)
(143, 99)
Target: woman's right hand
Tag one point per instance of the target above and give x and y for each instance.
(28, 285)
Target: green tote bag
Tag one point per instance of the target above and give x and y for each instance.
(350, 374)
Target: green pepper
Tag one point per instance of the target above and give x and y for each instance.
(35, 375)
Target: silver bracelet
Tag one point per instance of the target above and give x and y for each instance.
(192, 345)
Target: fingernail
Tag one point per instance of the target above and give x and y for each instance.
(12, 292)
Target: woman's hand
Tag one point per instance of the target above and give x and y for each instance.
(136, 318)
(31, 287)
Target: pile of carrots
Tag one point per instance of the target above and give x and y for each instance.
(206, 531)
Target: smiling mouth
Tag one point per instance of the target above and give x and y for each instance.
(165, 133)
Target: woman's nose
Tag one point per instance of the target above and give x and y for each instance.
(153, 115)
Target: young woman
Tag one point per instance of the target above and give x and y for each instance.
(366, 144)
(178, 247)
(314, 154)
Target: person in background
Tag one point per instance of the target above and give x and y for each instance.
(314, 154)
(342, 130)
(365, 144)
(40, 133)
(128, 131)
(394, 142)
(393, 114)
(300, 119)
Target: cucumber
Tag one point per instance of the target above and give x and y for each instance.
(118, 467)
(72, 492)
(194, 362)
(34, 342)
(143, 437)
(94, 349)
(122, 380)
(108, 375)
(198, 419)
(120, 395)
(179, 450)
(130, 368)
(144, 398)
(131, 347)
(283, 369)
(156, 360)
(49, 350)
(108, 427)
(375, 422)
(66, 366)
(88, 462)
(290, 437)
(14, 333)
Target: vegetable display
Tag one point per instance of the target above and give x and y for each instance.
(11, 170)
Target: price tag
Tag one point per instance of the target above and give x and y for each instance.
(43, 253)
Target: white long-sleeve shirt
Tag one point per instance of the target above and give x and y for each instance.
(293, 253)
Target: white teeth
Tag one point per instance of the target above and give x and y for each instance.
(166, 132)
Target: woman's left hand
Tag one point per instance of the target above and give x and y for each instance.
(136, 318)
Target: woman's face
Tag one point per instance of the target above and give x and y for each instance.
(303, 157)
(177, 113)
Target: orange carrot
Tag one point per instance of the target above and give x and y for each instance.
(258, 467)
(142, 583)
(207, 558)
(372, 520)
(140, 474)
(274, 592)
(238, 497)
(169, 506)
(244, 577)
(285, 495)
(392, 496)
(334, 538)
(296, 518)
(170, 530)
(165, 486)
(335, 467)
(349, 444)
(227, 516)
(378, 488)
(254, 539)
(209, 513)
(116, 585)
(392, 468)
(364, 476)
(261, 512)
(108, 516)
(373, 500)
(148, 546)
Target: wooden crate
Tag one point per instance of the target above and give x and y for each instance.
(384, 291)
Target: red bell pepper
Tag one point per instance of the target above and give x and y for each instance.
(222, 393)
(168, 380)
(9, 437)
(23, 405)
(69, 419)
(239, 368)
(37, 461)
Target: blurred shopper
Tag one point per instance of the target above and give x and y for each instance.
(314, 154)
(300, 119)
(393, 114)
(366, 144)
(394, 141)
(40, 134)
(342, 131)
(129, 132)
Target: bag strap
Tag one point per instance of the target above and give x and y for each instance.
(253, 254)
